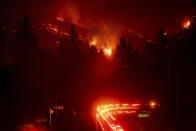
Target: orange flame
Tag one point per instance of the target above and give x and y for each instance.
(187, 24)
(104, 37)
(93, 42)
(108, 51)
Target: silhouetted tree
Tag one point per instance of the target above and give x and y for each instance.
(101, 53)
(74, 36)
(137, 53)
(161, 47)
(162, 37)
(93, 51)
(122, 49)
(26, 37)
(129, 46)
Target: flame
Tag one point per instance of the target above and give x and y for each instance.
(152, 104)
(187, 24)
(51, 27)
(93, 42)
(104, 37)
(108, 51)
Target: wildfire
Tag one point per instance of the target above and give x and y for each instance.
(187, 24)
(108, 52)
(96, 42)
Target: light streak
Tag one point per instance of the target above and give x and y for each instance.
(107, 112)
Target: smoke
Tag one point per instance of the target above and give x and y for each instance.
(102, 31)
(144, 16)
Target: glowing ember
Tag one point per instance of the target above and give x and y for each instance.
(51, 27)
(108, 52)
(60, 18)
(187, 24)
(152, 104)
(105, 115)
(54, 29)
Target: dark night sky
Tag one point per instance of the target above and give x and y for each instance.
(145, 16)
